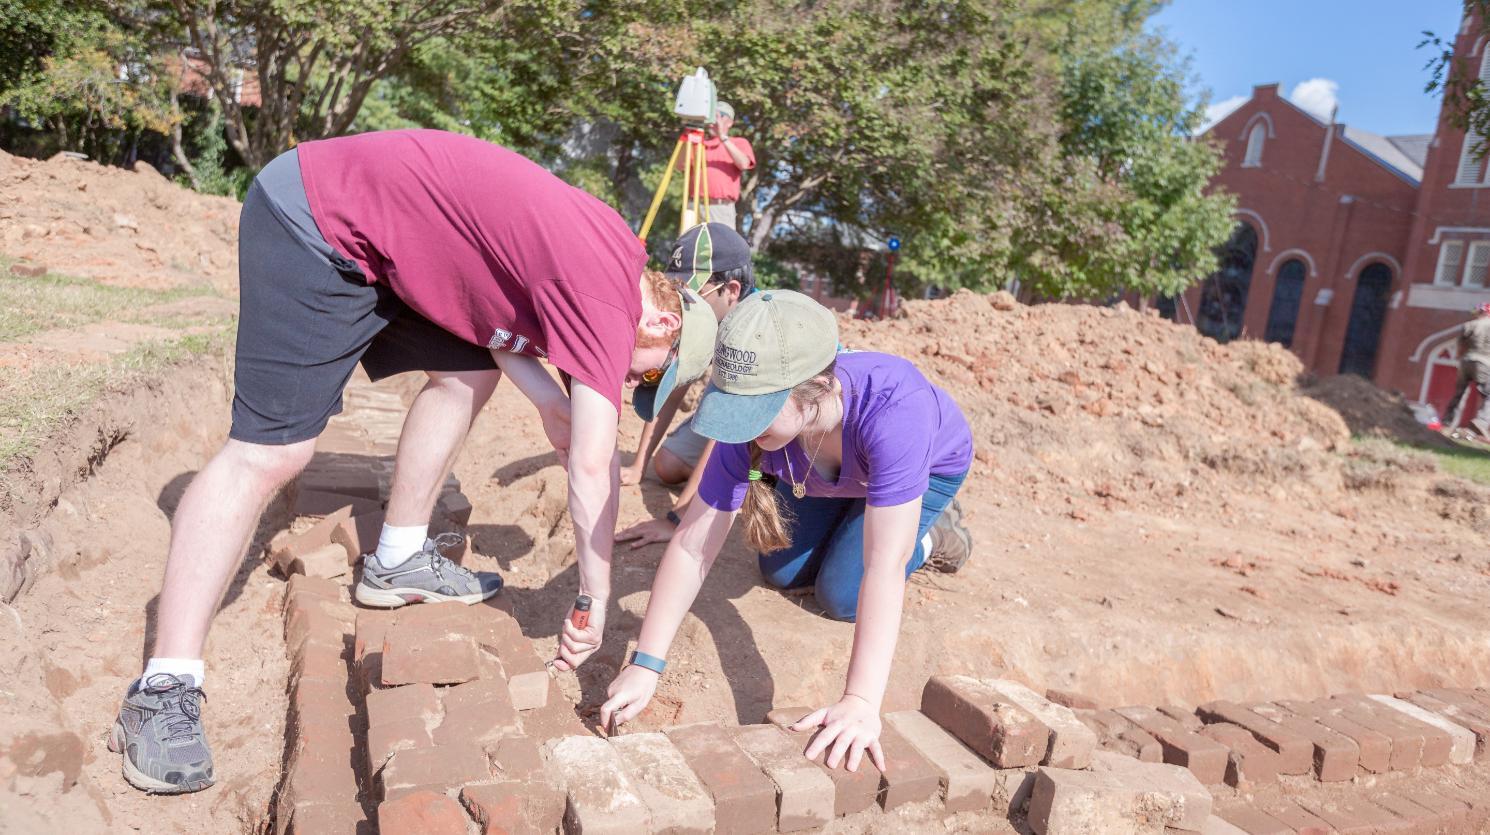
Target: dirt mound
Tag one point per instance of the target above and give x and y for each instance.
(1372, 412)
(1109, 402)
(125, 228)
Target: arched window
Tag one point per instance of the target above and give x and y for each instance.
(1368, 311)
(1472, 156)
(1223, 296)
(1255, 138)
(1288, 291)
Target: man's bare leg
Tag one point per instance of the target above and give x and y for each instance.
(433, 433)
(213, 524)
(403, 570)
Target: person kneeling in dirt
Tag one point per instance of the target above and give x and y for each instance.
(713, 260)
(845, 468)
(1474, 369)
(407, 251)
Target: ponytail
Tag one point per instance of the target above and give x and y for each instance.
(765, 529)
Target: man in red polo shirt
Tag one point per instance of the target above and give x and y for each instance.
(407, 251)
(728, 158)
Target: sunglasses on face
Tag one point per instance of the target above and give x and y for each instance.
(651, 376)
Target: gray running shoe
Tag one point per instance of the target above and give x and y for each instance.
(426, 577)
(159, 732)
(951, 544)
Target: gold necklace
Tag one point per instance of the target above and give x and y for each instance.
(799, 488)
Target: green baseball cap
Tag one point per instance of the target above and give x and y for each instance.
(695, 349)
(772, 341)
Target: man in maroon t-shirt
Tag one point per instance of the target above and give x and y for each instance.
(408, 251)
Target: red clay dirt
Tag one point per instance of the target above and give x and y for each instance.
(1158, 519)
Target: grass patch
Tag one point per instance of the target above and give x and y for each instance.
(34, 404)
(1459, 459)
(30, 305)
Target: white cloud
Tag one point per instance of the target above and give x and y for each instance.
(1317, 95)
(1216, 111)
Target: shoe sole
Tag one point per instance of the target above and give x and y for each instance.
(398, 597)
(143, 781)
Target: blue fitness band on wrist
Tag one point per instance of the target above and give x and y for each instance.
(650, 662)
(672, 516)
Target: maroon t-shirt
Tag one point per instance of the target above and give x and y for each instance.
(486, 244)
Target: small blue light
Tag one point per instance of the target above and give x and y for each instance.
(893, 244)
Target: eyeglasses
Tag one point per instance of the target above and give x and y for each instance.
(651, 376)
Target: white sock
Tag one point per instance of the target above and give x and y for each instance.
(177, 667)
(397, 544)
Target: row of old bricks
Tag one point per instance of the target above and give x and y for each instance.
(440, 714)
(459, 719)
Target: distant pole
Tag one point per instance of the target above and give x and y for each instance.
(894, 246)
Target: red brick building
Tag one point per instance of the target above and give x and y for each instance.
(1361, 253)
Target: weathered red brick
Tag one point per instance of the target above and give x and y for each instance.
(1410, 746)
(1071, 743)
(516, 758)
(804, 794)
(315, 586)
(1252, 820)
(455, 507)
(320, 776)
(1185, 718)
(388, 738)
(1002, 732)
(414, 654)
(853, 791)
(513, 808)
(320, 715)
(1297, 818)
(1453, 812)
(1206, 758)
(528, 677)
(1351, 816)
(744, 798)
(1170, 794)
(357, 478)
(601, 797)
(319, 659)
(25, 270)
(967, 782)
(1374, 749)
(1415, 817)
(441, 765)
(422, 813)
(1119, 794)
(318, 818)
(318, 503)
(1251, 762)
(678, 802)
(370, 631)
(358, 534)
(285, 546)
(1117, 734)
(1071, 699)
(1461, 739)
(1336, 756)
(1295, 752)
(910, 778)
(413, 701)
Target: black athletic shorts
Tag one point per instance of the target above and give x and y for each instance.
(307, 316)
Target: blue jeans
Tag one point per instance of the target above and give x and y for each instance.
(828, 544)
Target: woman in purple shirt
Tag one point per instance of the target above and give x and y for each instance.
(844, 467)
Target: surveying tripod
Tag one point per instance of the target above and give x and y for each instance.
(695, 184)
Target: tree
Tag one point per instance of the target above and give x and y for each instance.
(1457, 78)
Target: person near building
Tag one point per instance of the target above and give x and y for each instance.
(1474, 369)
(415, 250)
(843, 468)
(727, 159)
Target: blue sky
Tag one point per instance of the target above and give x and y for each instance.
(1361, 54)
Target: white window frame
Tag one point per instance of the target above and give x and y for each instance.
(1470, 252)
(1472, 172)
(1448, 272)
(1256, 138)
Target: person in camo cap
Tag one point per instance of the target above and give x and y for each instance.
(844, 467)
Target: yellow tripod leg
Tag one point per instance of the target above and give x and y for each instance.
(689, 212)
(667, 179)
(703, 183)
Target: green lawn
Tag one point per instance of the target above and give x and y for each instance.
(1460, 459)
(36, 399)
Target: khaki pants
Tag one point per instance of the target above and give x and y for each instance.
(1477, 373)
(723, 212)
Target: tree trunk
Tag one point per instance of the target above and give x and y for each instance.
(179, 153)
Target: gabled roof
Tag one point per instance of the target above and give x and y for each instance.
(1415, 146)
(1386, 152)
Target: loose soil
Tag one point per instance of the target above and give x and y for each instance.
(1157, 518)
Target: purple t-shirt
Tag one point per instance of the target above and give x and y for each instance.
(898, 431)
